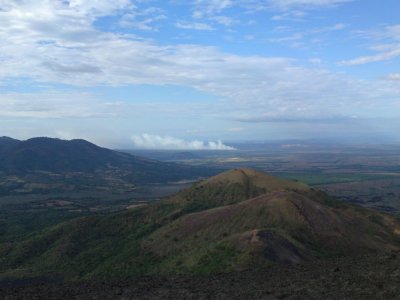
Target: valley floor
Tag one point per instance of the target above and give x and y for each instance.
(368, 277)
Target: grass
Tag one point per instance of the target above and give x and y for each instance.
(324, 178)
(181, 236)
(18, 225)
(219, 259)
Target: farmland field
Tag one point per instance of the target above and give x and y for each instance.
(365, 174)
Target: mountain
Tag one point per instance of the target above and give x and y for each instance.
(55, 155)
(237, 220)
(50, 164)
(6, 142)
(232, 187)
(283, 226)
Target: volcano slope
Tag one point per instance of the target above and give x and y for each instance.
(40, 166)
(238, 220)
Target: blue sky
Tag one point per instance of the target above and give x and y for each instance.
(187, 74)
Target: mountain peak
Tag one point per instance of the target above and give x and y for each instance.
(6, 142)
(237, 174)
(257, 178)
(232, 187)
(218, 225)
(7, 138)
(55, 155)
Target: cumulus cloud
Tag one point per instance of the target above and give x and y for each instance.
(49, 41)
(148, 141)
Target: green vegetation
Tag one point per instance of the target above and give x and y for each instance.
(231, 187)
(325, 178)
(46, 165)
(236, 220)
(365, 175)
(17, 225)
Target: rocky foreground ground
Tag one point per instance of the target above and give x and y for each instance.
(368, 277)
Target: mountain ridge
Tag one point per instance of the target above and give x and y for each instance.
(48, 162)
(231, 187)
(281, 226)
(49, 151)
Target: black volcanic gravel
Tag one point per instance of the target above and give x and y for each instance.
(368, 277)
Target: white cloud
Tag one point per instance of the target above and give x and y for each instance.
(286, 39)
(193, 25)
(302, 4)
(388, 49)
(210, 7)
(236, 129)
(386, 55)
(93, 7)
(67, 104)
(296, 10)
(53, 43)
(148, 141)
(393, 32)
(51, 105)
(297, 39)
(394, 77)
(143, 19)
(315, 61)
(224, 20)
(210, 11)
(335, 27)
(292, 15)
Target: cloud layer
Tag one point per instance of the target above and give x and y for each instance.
(148, 141)
(57, 42)
(87, 44)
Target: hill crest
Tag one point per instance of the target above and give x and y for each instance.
(282, 226)
(258, 178)
(206, 230)
(232, 187)
(88, 163)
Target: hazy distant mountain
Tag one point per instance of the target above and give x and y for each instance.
(55, 155)
(47, 154)
(237, 220)
(51, 163)
(6, 142)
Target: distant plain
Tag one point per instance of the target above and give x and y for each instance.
(368, 175)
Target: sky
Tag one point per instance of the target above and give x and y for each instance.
(200, 74)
